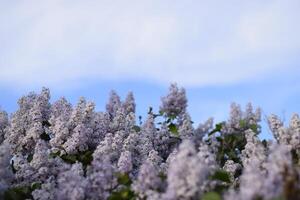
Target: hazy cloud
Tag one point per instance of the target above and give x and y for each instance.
(195, 43)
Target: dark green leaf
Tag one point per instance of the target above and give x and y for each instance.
(221, 175)
(211, 196)
(173, 129)
(243, 123)
(71, 159)
(85, 158)
(124, 179)
(29, 157)
(18, 193)
(54, 154)
(278, 198)
(35, 186)
(46, 123)
(172, 117)
(137, 128)
(123, 194)
(22, 192)
(140, 119)
(218, 128)
(254, 128)
(161, 113)
(265, 143)
(219, 139)
(150, 111)
(13, 167)
(162, 176)
(168, 120)
(45, 136)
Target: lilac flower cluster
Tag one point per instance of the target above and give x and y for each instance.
(58, 151)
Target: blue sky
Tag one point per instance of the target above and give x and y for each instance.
(220, 51)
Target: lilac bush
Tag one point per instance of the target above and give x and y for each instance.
(58, 151)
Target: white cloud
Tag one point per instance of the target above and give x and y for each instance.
(195, 43)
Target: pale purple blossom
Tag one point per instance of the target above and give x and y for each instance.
(186, 173)
(148, 180)
(129, 104)
(3, 124)
(79, 153)
(6, 174)
(175, 103)
(71, 185)
(113, 104)
(125, 164)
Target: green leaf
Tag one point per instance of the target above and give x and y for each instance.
(29, 157)
(243, 123)
(168, 120)
(221, 175)
(161, 113)
(264, 143)
(123, 194)
(219, 139)
(36, 185)
(45, 136)
(173, 129)
(140, 119)
(85, 157)
(13, 167)
(68, 158)
(136, 128)
(21, 192)
(278, 198)
(172, 117)
(18, 193)
(124, 179)
(46, 123)
(254, 128)
(211, 196)
(162, 176)
(218, 128)
(54, 154)
(150, 111)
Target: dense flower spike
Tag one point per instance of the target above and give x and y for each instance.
(175, 103)
(6, 175)
(254, 150)
(59, 151)
(129, 104)
(3, 124)
(46, 192)
(113, 104)
(30, 122)
(186, 174)
(125, 162)
(148, 181)
(71, 184)
(101, 178)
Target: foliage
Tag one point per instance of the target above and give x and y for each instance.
(21, 192)
(125, 193)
